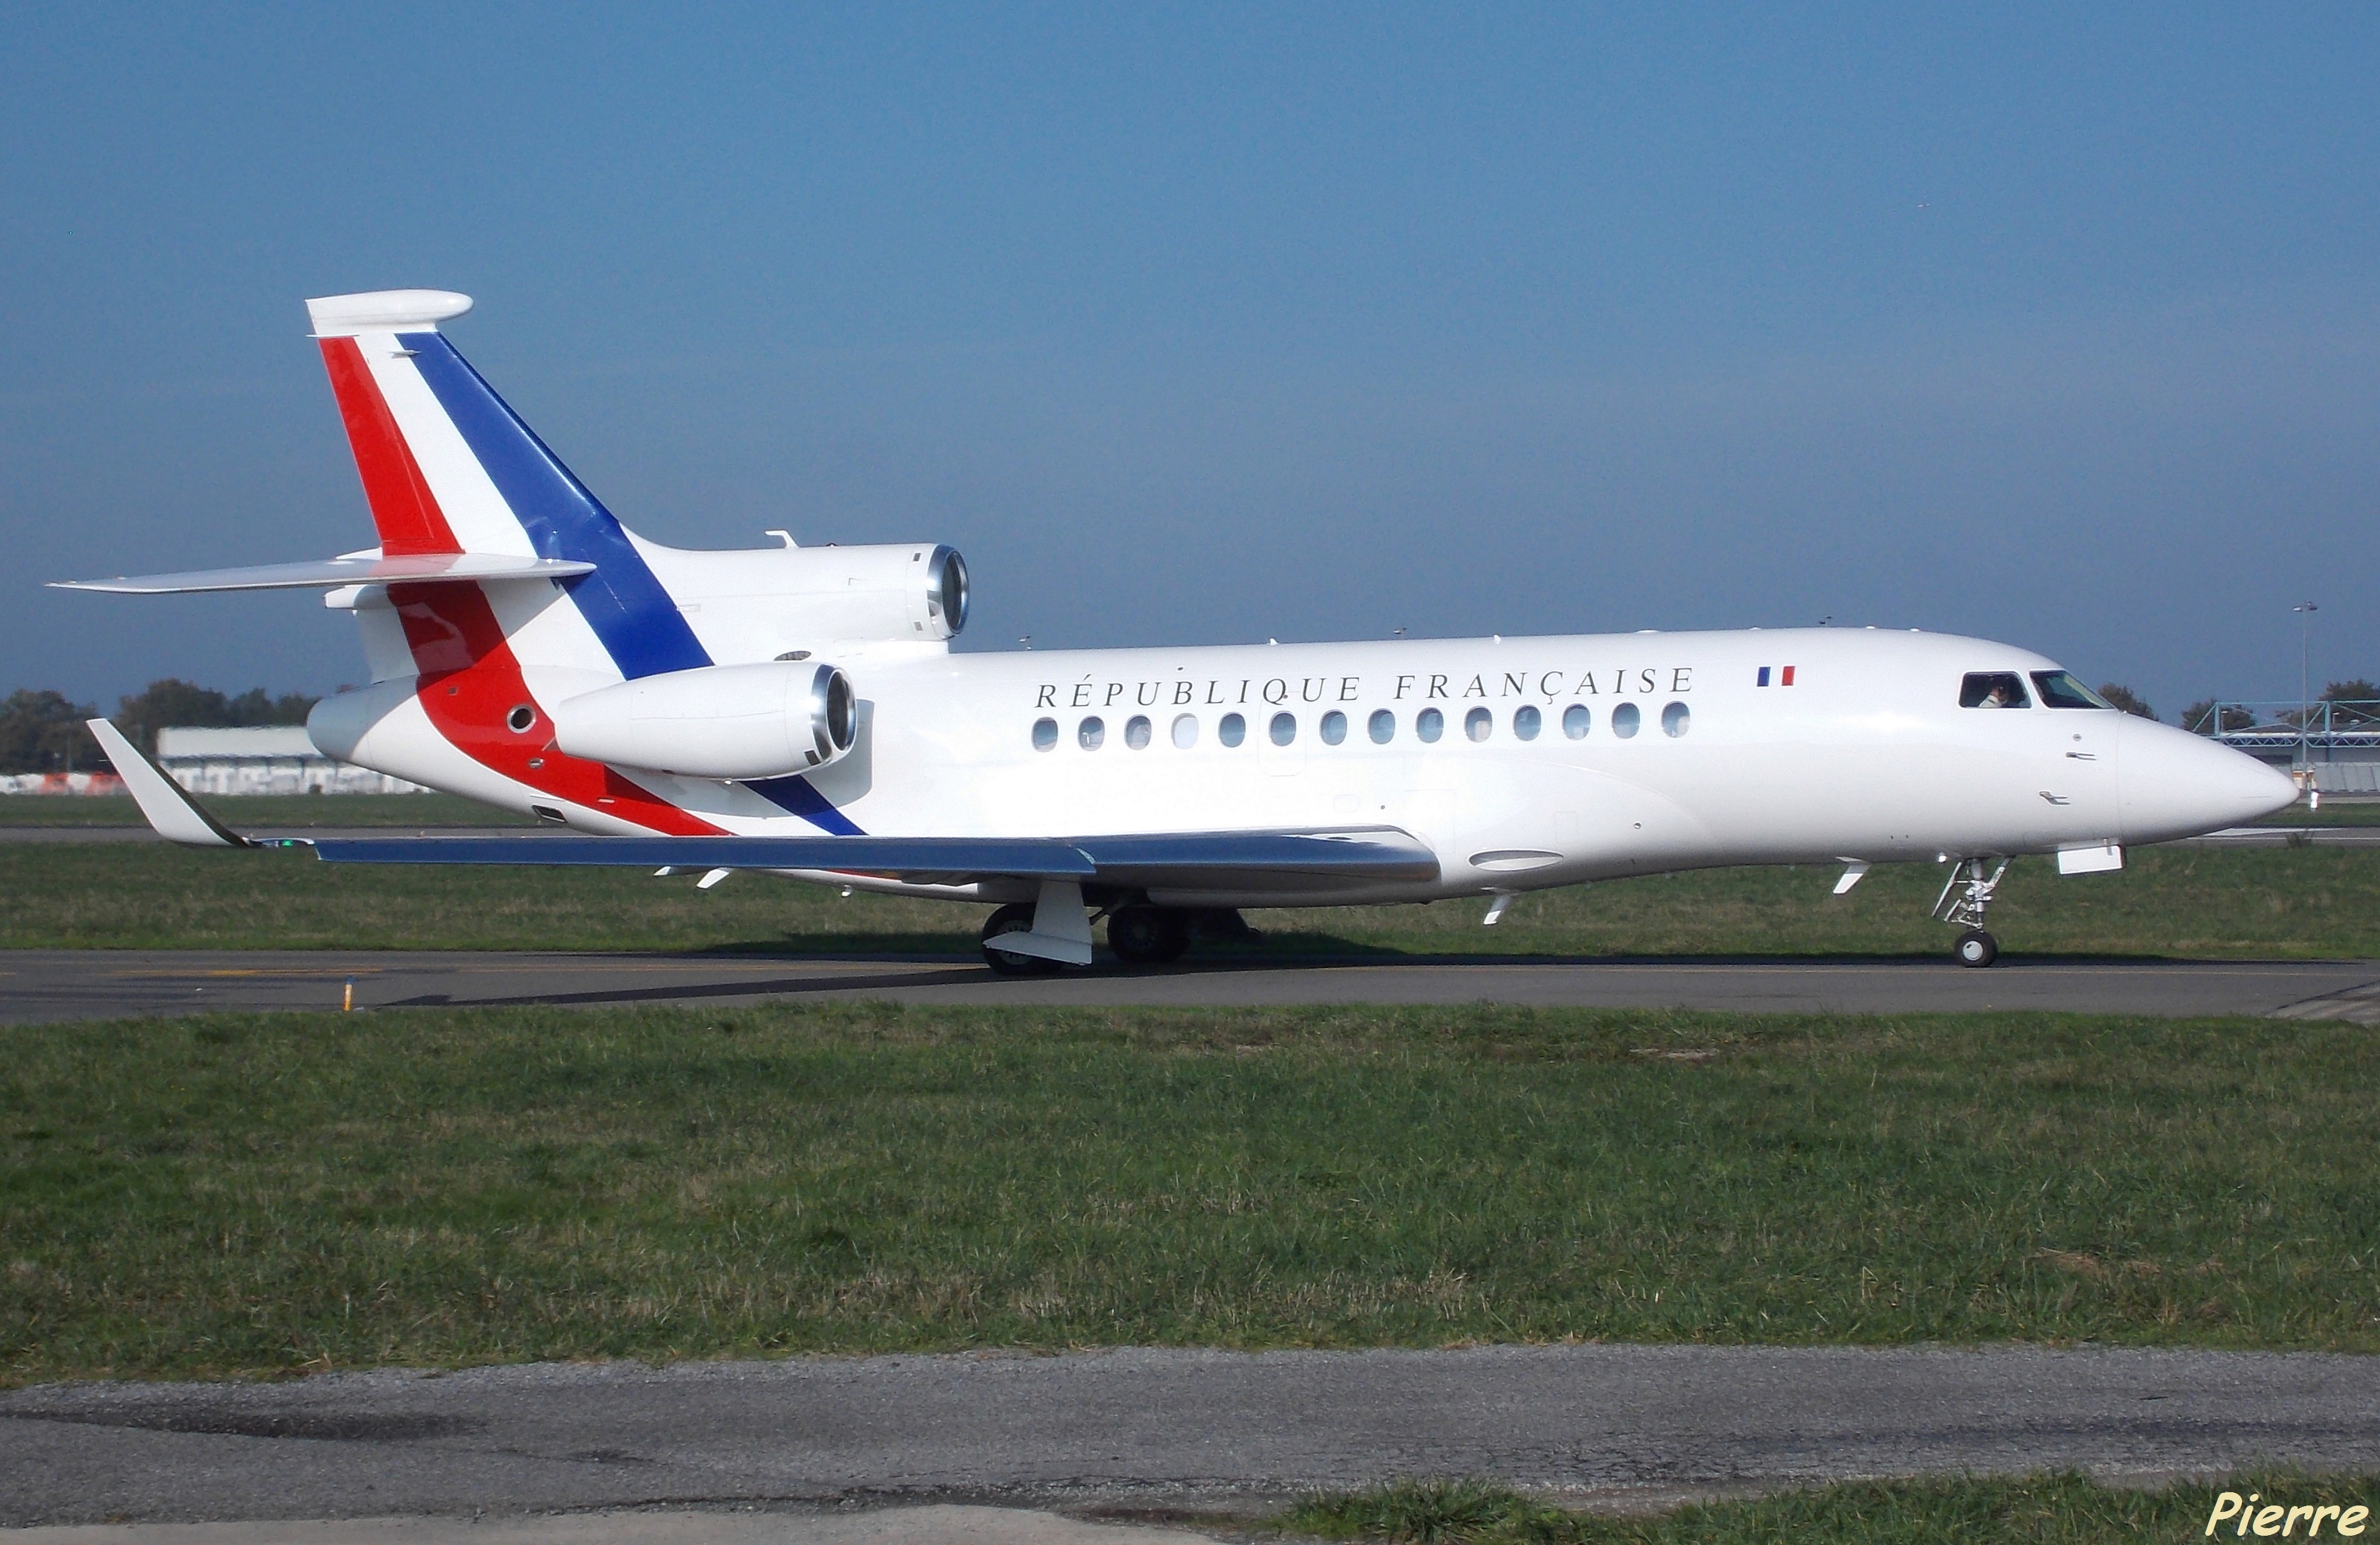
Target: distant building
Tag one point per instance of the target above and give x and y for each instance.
(274, 758)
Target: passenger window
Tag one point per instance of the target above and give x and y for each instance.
(1283, 728)
(1577, 721)
(1479, 724)
(1185, 730)
(1232, 730)
(1429, 723)
(1674, 720)
(1993, 689)
(1384, 727)
(1334, 727)
(1091, 733)
(1136, 733)
(2058, 690)
(1045, 734)
(1624, 720)
(1526, 722)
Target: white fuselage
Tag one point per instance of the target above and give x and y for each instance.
(1866, 755)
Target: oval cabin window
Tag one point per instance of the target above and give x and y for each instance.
(1576, 721)
(1429, 723)
(1674, 720)
(1091, 733)
(1185, 730)
(1136, 733)
(1334, 727)
(1479, 723)
(1624, 720)
(1526, 722)
(1384, 727)
(1283, 728)
(1045, 734)
(1232, 730)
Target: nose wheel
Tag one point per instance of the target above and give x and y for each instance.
(1965, 897)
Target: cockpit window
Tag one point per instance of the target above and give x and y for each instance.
(2060, 689)
(1993, 689)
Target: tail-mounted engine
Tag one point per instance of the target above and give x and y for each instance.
(727, 721)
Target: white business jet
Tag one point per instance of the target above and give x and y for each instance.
(798, 710)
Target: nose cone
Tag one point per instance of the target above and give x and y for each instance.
(2178, 785)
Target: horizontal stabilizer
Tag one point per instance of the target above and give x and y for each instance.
(334, 573)
(1181, 860)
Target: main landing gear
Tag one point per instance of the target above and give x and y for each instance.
(1966, 896)
(1144, 935)
(1138, 933)
(1016, 917)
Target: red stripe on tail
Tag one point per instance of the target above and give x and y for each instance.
(470, 685)
(403, 508)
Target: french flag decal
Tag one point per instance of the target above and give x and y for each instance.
(1784, 676)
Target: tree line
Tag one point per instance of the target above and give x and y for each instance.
(42, 731)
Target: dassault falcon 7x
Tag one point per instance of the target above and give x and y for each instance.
(798, 710)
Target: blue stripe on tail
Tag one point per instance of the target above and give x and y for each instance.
(639, 624)
(623, 601)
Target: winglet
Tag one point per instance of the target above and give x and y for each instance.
(173, 813)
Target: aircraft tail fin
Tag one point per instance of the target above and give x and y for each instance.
(449, 467)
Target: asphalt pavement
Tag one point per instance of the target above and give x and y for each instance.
(38, 985)
(1157, 1426)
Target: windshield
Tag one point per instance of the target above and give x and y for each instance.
(2060, 689)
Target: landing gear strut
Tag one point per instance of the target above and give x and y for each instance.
(1966, 896)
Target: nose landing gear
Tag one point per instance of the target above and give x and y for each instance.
(1966, 896)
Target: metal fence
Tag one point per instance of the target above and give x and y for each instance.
(2310, 733)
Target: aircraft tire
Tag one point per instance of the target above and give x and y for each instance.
(1015, 918)
(1143, 935)
(1976, 948)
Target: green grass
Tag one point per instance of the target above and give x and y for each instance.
(271, 1193)
(267, 812)
(2334, 812)
(2045, 1510)
(2274, 903)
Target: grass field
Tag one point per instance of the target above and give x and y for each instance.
(2291, 903)
(277, 1193)
(268, 812)
(2040, 1510)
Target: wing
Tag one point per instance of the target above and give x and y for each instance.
(1258, 861)
(1288, 860)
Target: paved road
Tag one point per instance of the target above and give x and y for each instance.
(922, 1524)
(1155, 1424)
(86, 984)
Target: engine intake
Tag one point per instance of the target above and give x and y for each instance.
(726, 721)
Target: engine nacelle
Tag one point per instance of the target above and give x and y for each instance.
(763, 603)
(728, 722)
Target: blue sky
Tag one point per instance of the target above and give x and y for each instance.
(2055, 324)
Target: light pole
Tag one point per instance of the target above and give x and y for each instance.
(2305, 611)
